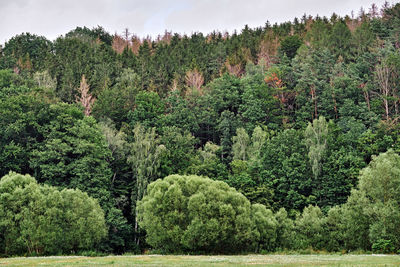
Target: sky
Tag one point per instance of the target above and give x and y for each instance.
(52, 18)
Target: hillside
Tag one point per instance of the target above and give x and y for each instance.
(287, 114)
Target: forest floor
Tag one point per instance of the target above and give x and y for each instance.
(170, 260)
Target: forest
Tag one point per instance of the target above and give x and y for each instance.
(276, 138)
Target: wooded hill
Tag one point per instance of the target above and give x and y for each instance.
(287, 114)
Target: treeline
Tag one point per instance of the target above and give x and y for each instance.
(286, 114)
(192, 214)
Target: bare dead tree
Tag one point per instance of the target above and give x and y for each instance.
(234, 69)
(135, 44)
(127, 35)
(194, 79)
(383, 78)
(374, 11)
(85, 98)
(118, 44)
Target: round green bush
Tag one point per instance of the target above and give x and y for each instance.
(41, 220)
(196, 214)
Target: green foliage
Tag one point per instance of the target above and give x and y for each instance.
(284, 231)
(316, 137)
(74, 154)
(265, 225)
(290, 45)
(240, 145)
(356, 222)
(285, 169)
(259, 106)
(374, 206)
(310, 229)
(148, 109)
(75, 56)
(179, 151)
(145, 159)
(115, 102)
(191, 213)
(340, 40)
(94, 34)
(41, 220)
(26, 52)
(256, 123)
(383, 246)
(208, 163)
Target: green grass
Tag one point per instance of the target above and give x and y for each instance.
(249, 260)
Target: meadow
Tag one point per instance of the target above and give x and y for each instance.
(172, 260)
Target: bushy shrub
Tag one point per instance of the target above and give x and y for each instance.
(41, 220)
(196, 214)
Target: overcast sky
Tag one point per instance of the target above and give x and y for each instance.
(52, 18)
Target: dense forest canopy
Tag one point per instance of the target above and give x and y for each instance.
(291, 116)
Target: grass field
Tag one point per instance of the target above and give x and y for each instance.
(157, 260)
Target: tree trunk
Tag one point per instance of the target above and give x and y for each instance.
(366, 97)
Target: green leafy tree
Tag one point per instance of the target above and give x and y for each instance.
(208, 163)
(290, 45)
(180, 151)
(74, 154)
(145, 158)
(316, 138)
(284, 230)
(148, 109)
(241, 143)
(192, 213)
(371, 214)
(116, 101)
(41, 220)
(340, 40)
(265, 225)
(284, 168)
(26, 51)
(310, 227)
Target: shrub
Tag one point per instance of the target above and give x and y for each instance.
(196, 214)
(37, 220)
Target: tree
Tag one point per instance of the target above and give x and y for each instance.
(312, 72)
(20, 127)
(117, 101)
(284, 167)
(258, 103)
(247, 165)
(316, 136)
(284, 230)
(208, 163)
(148, 109)
(73, 154)
(145, 158)
(75, 56)
(41, 220)
(26, 51)
(179, 151)
(265, 225)
(192, 213)
(290, 45)
(310, 229)
(194, 79)
(371, 214)
(85, 98)
(340, 40)
(240, 145)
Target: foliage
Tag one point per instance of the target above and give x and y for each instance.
(41, 220)
(191, 213)
(287, 114)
